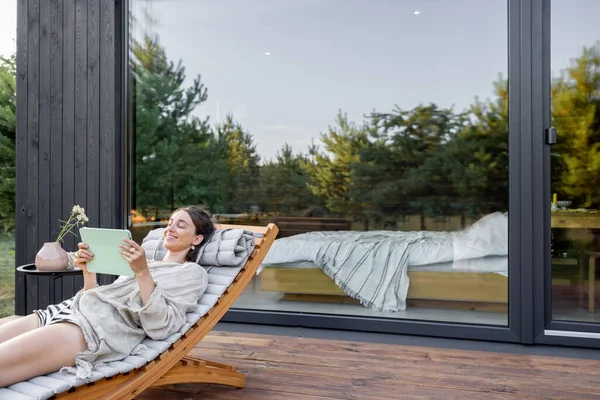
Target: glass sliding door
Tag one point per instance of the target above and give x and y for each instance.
(572, 169)
(374, 134)
(575, 160)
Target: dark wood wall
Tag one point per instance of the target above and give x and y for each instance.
(68, 131)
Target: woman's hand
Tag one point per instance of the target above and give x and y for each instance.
(82, 256)
(135, 256)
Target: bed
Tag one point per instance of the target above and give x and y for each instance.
(389, 271)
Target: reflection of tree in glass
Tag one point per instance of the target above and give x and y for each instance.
(403, 144)
(330, 174)
(283, 184)
(477, 160)
(576, 116)
(175, 158)
(239, 151)
(425, 161)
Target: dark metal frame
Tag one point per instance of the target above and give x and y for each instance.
(524, 126)
(520, 205)
(123, 103)
(529, 230)
(542, 276)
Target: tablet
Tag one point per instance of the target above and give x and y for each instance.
(104, 244)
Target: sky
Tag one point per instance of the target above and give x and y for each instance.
(8, 27)
(285, 68)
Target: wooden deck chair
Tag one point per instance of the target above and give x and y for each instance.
(170, 364)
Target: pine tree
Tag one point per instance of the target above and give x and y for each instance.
(476, 160)
(395, 173)
(8, 96)
(242, 165)
(175, 158)
(576, 116)
(284, 184)
(330, 176)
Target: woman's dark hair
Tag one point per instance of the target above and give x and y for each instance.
(203, 224)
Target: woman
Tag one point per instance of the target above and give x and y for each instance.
(107, 323)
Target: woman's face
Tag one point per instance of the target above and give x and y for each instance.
(180, 233)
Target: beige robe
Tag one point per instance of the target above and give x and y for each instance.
(115, 322)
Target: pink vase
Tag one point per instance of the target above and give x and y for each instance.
(51, 257)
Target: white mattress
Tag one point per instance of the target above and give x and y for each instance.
(487, 237)
(497, 265)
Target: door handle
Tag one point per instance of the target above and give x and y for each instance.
(551, 136)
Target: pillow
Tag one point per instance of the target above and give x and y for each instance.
(486, 237)
(226, 247)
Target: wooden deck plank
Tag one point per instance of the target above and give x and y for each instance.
(222, 393)
(380, 386)
(350, 351)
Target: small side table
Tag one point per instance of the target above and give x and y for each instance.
(30, 269)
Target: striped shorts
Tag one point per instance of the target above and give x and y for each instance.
(54, 314)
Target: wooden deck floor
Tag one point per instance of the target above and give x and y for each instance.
(281, 367)
(293, 368)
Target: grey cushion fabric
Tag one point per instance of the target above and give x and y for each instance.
(225, 248)
(219, 279)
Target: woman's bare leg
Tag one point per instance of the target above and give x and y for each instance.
(40, 352)
(18, 326)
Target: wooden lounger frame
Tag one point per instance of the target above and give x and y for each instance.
(473, 290)
(174, 366)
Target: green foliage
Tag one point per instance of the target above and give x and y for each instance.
(8, 97)
(242, 165)
(283, 184)
(330, 174)
(576, 116)
(7, 274)
(475, 161)
(398, 169)
(175, 158)
(426, 160)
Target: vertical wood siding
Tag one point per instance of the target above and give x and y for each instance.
(68, 144)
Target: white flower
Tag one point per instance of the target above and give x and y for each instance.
(76, 218)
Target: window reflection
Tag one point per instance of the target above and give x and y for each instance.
(375, 139)
(575, 173)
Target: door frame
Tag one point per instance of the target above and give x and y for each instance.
(545, 329)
